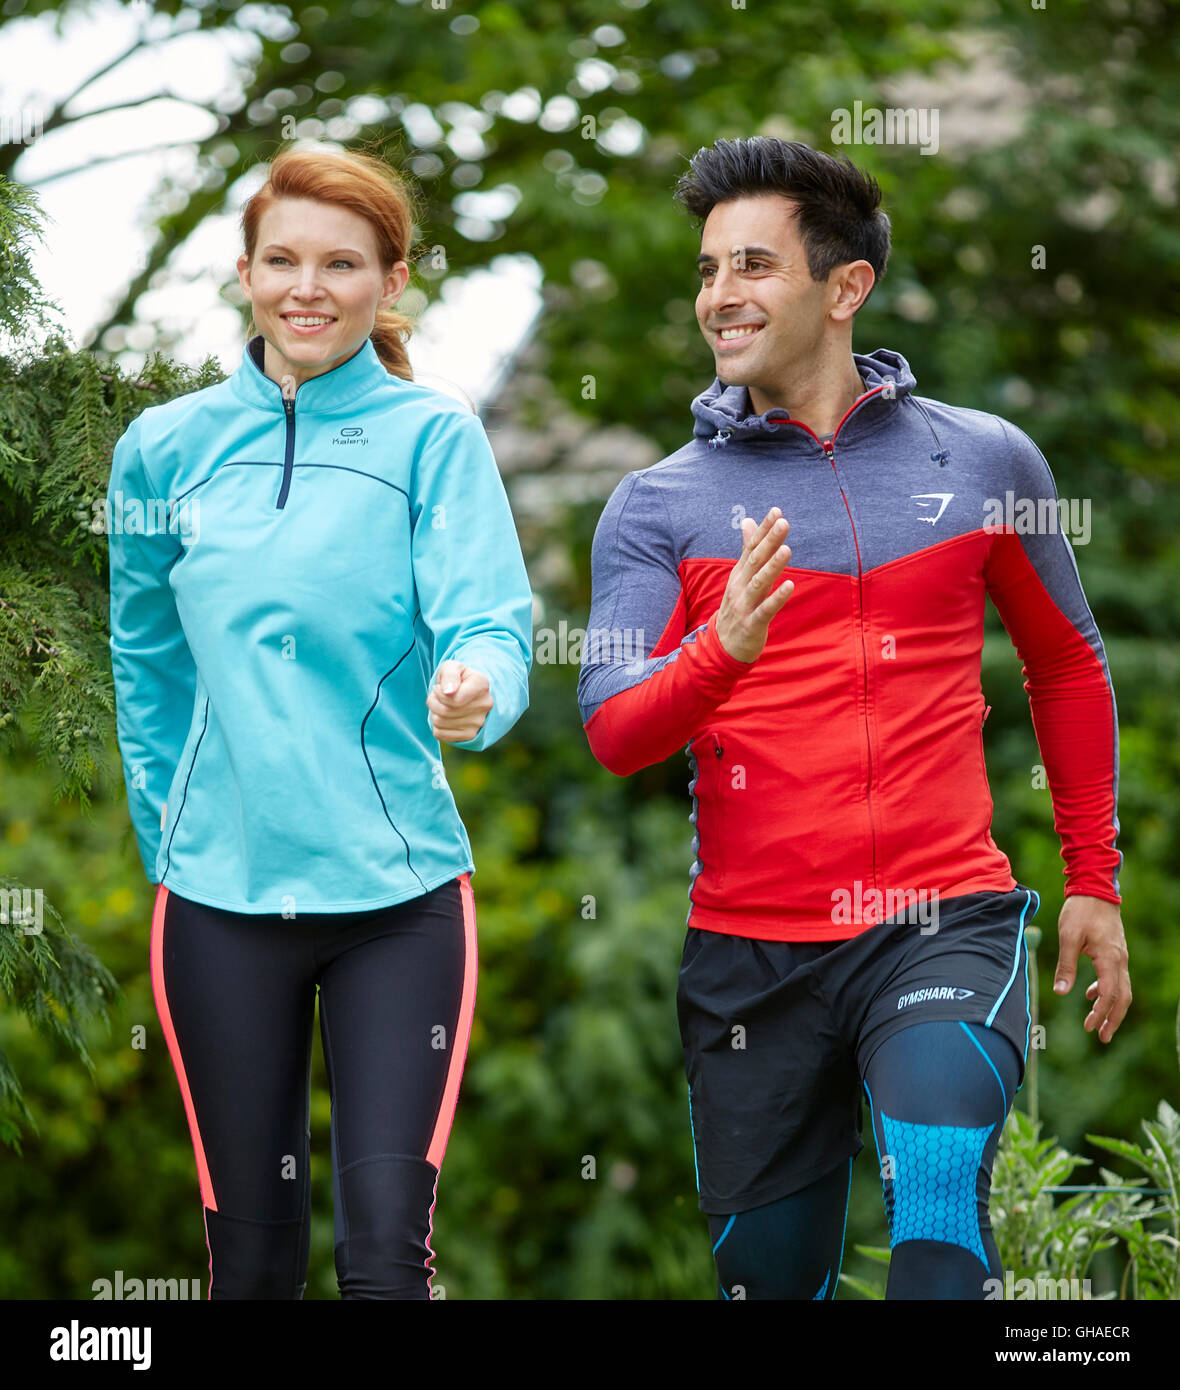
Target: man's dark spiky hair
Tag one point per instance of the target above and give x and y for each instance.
(839, 214)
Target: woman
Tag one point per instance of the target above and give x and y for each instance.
(338, 589)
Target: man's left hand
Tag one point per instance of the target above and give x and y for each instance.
(1093, 927)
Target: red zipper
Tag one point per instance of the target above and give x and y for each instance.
(829, 448)
(860, 400)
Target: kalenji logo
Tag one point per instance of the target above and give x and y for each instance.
(350, 434)
(928, 497)
(927, 996)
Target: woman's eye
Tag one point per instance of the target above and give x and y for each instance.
(270, 260)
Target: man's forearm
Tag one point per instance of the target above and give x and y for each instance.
(655, 714)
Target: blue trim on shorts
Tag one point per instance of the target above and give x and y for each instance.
(1027, 1009)
(1015, 965)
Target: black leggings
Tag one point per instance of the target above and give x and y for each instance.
(939, 1094)
(235, 993)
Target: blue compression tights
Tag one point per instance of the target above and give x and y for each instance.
(938, 1095)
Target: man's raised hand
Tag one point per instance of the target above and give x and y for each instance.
(751, 599)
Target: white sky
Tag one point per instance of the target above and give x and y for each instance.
(94, 232)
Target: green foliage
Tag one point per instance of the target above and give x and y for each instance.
(107, 1178)
(569, 1172)
(1039, 1237)
(868, 1288)
(55, 680)
(1154, 1257)
(23, 304)
(56, 695)
(52, 979)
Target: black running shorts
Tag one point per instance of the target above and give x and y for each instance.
(777, 1034)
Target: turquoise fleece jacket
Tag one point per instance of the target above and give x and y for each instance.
(286, 577)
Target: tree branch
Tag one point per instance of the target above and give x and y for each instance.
(107, 159)
(127, 105)
(57, 116)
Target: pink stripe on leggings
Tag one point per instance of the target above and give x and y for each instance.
(446, 1112)
(160, 994)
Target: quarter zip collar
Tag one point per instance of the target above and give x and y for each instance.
(722, 413)
(319, 395)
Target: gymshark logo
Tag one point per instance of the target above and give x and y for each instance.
(928, 497)
(927, 996)
(350, 434)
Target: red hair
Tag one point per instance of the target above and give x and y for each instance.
(361, 183)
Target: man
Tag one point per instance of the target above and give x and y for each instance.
(852, 922)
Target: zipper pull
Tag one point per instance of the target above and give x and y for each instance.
(716, 746)
(986, 712)
(287, 386)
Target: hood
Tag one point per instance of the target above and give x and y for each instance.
(722, 413)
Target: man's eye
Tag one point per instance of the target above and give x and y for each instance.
(754, 263)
